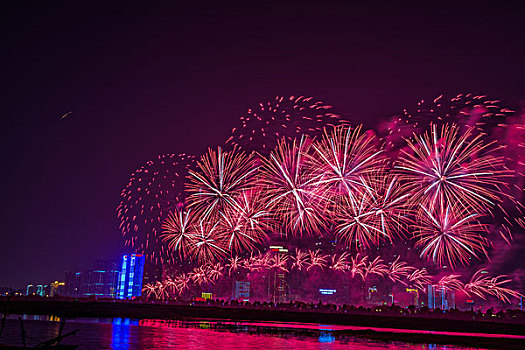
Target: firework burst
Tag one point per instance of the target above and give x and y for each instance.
(152, 192)
(220, 178)
(448, 168)
(283, 117)
(450, 236)
(290, 189)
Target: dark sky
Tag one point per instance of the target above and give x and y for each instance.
(142, 81)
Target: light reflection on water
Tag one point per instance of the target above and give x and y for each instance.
(128, 334)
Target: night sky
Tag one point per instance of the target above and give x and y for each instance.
(142, 81)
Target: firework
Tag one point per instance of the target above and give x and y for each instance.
(244, 227)
(234, 264)
(419, 278)
(446, 168)
(450, 282)
(279, 262)
(149, 289)
(358, 265)
(220, 178)
(450, 236)
(484, 113)
(290, 189)
(339, 262)
(375, 267)
(399, 270)
(177, 229)
(482, 286)
(182, 282)
(300, 259)
(344, 157)
(152, 192)
(317, 259)
(208, 245)
(287, 117)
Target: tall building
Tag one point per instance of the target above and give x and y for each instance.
(241, 290)
(131, 275)
(441, 298)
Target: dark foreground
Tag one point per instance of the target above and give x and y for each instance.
(496, 334)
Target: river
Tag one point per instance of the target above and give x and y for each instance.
(127, 334)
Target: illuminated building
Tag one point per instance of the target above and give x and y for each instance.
(57, 288)
(277, 286)
(30, 289)
(441, 298)
(415, 296)
(241, 290)
(100, 281)
(130, 277)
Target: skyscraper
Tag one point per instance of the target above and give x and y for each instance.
(130, 278)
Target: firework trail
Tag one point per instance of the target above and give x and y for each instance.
(234, 264)
(290, 189)
(450, 282)
(279, 262)
(450, 236)
(358, 265)
(419, 279)
(152, 192)
(220, 178)
(283, 117)
(375, 267)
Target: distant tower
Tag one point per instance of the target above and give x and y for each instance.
(130, 277)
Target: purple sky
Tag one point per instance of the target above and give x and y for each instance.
(142, 81)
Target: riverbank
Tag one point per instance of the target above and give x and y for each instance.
(146, 310)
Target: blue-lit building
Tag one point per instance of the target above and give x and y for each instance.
(100, 281)
(130, 277)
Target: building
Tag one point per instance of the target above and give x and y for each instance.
(130, 277)
(241, 290)
(100, 281)
(439, 297)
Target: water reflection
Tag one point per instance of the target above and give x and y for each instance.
(120, 332)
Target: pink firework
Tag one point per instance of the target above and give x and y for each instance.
(445, 167)
(244, 227)
(177, 231)
(450, 282)
(149, 289)
(291, 194)
(399, 270)
(182, 282)
(340, 262)
(344, 157)
(449, 236)
(208, 245)
(300, 260)
(486, 114)
(358, 225)
(483, 285)
(279, 262)
(220, 178)
(153, 190)
(358, 265)
(419, 278)
(375, 267)
(234, 264)
(317, 259)
(289, 117)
